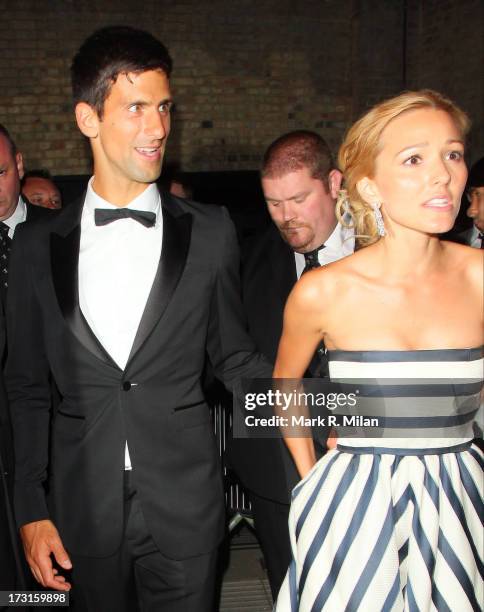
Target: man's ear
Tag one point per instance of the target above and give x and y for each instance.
(368, 191)
(334, 182)
(19, 161)
(87, 119)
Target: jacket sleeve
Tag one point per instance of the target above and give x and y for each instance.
(232, 352)
(27, 381)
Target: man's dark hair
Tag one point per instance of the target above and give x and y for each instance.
(476, 174)
(37, 173)
(109, 52)
(296, 150)
(4, 132)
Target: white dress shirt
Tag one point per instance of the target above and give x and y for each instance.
(19, 216)
(340, 244)
(117, 267)
(474, 240)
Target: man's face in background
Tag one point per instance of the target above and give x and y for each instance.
(41, 192)
(11, 171)
(302, 207)
(475, 195)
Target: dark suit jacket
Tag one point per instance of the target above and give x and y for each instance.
(463, 237)
(36, 212)
(7, 574)
(461, 233)
(5, 433)
(33, 213)
(11, 575)
(156, 403)
(268, 274)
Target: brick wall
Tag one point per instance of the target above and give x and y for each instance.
(445, 51)
(245, 70)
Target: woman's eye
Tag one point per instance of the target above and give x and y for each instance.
(455, 155)
(413, 160)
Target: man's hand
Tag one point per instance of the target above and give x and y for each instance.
(40, 540)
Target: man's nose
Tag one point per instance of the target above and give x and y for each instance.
(288, 211)
(473, 207)
(157, 125)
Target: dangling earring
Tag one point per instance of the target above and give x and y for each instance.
(380, 226)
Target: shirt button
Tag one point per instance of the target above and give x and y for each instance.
(126, 385)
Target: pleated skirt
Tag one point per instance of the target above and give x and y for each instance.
(392, 532)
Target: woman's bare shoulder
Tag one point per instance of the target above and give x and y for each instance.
(348, 269)
(468, 258)
(330, 281)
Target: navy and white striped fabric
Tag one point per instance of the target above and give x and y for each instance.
(375, 527)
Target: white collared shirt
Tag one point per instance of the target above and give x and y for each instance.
(475, 241)
(340, 244)
(19, 216)
(117, 267)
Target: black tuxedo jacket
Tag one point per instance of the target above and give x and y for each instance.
(268, 274)
(36, 212)
(156, 403)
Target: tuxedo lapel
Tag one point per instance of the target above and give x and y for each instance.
(174, 251)
(64, 252)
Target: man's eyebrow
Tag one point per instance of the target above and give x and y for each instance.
(147, 103)
(299, 194)
(293, 197)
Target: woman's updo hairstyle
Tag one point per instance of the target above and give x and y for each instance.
(361, 146)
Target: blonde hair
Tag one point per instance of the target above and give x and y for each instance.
(362, 144)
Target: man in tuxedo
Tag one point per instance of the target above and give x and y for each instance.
(122, 296)
(13, 210)
(300, 185)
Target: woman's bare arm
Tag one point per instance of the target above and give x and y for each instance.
(301, 335)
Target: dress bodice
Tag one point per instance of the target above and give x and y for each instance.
(419, 398)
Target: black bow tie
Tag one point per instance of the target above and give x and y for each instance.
(103, 216)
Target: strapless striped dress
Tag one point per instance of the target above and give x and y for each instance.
(394, 524)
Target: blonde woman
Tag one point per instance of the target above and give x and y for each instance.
(393, 524)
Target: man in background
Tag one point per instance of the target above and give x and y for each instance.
(13, 210)
(300, 184)
(39, 189)
(475, 195)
